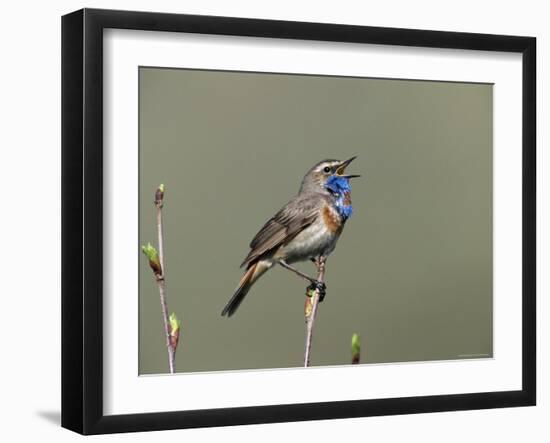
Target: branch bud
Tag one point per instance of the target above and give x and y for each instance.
(174, 330)
(153, 256)
(308, 306)
(355, 349)
(159, 195)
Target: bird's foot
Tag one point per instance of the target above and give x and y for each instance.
(318, 286)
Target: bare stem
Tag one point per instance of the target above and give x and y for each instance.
(161, 282)
(311, 313)
(162, 291)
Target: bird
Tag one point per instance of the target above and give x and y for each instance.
(306, 228)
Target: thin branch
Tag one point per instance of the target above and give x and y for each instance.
(156, 262)
(162, 291)
(161, 278)
(312, 303)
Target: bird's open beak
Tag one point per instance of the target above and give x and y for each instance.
(342, 168)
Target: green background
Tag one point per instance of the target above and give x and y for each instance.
(412, 272)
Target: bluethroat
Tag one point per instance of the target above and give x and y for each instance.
(307, 227)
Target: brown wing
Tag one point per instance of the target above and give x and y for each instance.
(295, 216)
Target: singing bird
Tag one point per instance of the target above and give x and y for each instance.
(307, 227)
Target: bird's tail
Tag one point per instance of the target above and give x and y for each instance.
(253, 273)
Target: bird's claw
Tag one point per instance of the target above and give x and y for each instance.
(318, 286)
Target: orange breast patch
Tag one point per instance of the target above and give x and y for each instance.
(347, 198)
(332, 219)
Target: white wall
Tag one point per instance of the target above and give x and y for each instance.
(30, 189)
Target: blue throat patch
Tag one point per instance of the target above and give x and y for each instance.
(341, 188)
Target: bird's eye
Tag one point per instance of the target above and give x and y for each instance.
(326, 169)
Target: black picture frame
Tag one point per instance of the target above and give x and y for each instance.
(82, 220)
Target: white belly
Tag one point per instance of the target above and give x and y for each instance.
(311, 242)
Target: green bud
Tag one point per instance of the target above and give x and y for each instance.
(174, 323)
(153, 256)
(150, 251)
(355, 348)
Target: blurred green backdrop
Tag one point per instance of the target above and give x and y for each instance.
(412, 272)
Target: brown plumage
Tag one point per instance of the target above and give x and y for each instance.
(296, 215)
(253, 273)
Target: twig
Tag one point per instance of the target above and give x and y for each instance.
(161, 278)
(311, 305)
(156, 262)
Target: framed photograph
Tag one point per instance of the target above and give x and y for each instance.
(376, 187)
